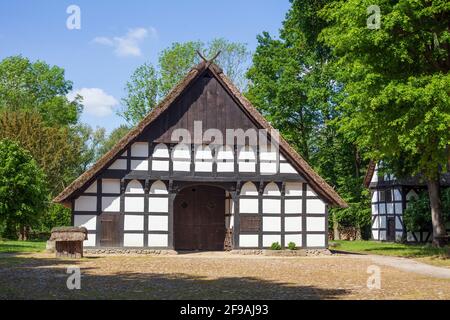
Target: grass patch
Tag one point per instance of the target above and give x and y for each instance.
(21, 246)
(392, 249)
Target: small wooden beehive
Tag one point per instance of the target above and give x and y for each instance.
(69, 241)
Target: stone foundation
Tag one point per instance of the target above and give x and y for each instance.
(284, 253)
(125, 251)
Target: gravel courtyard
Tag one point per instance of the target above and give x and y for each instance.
(211, 276)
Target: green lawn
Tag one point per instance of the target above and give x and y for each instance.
(425, 253)
(21, 246)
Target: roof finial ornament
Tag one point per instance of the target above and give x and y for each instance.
(208, 62)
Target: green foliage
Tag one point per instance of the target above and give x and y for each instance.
(293, 84)
(142, 94)
(275, 246)
(292, 246)
(396, 101)
(417, 214)
(23, 187)
(55, 216)
(108, 143)
(357, 215)
(26, 85)
(57, 150)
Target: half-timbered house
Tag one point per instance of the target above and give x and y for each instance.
(152, 191)
(390, 198)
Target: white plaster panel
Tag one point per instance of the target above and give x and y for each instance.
(310, 192)
(119, 164)
(293, 206)
(374, 209)
(293, 189)
(158, 187)
(183, 166)
(390, 208)
(271, 206)
(315, 240)
(315, 223)
(158, 240)
(160, 165)
(376, 223)
(375, 196)
(292, 224)
(382, 208)
(268, 168)
(271, 224)
(111, 204)
(161, 151)
(158, 204)
(249, 189)
(375, 234)
(86, 203)
(139, 149)
(272, 190)
(398, 223)
(134, 204)
(134, 187)
(158, 223)
(133, 240)
(398, 208)
(295, 238)
(315, 206)
(90, 242)
(268, 239)
(225, 166)
(398, 236)
(111, 186)
(248, 205)
(268, 156)
(248, 240)
(397, 195)
(201, 166)
(382, 222)
(382, 236)
(139, 165)
(133, 223)
(247, 166)
(92, 188)
(87, 221)
(287, 168)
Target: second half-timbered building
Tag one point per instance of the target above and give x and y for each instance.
(189, 178)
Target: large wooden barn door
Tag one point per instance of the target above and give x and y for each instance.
(110, 230)
(199, 219)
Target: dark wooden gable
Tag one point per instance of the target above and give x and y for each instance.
(205, 100)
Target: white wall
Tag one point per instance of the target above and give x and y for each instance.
(87, 221)
(111, 204)
(158, 223)
(292, 224)
(271, 224)
(157, 240)
(86, 203)
(133, 240)
(139, 149)
(315, 240)
(133, 223)
(134, 204)
(248, 240)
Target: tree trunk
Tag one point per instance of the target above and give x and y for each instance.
(336, 233)
(437, 220)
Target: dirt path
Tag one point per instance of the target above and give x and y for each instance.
(214, 276)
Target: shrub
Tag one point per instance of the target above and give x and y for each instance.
(292, 246)
(417, 215)
(275, 246)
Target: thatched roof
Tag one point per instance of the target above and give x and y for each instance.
(316, 182)
(69, 234)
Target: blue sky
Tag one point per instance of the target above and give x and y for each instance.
(117, 36)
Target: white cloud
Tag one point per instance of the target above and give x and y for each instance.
(96, 101)
(128, 44)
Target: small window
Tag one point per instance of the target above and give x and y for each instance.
(385, 195)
